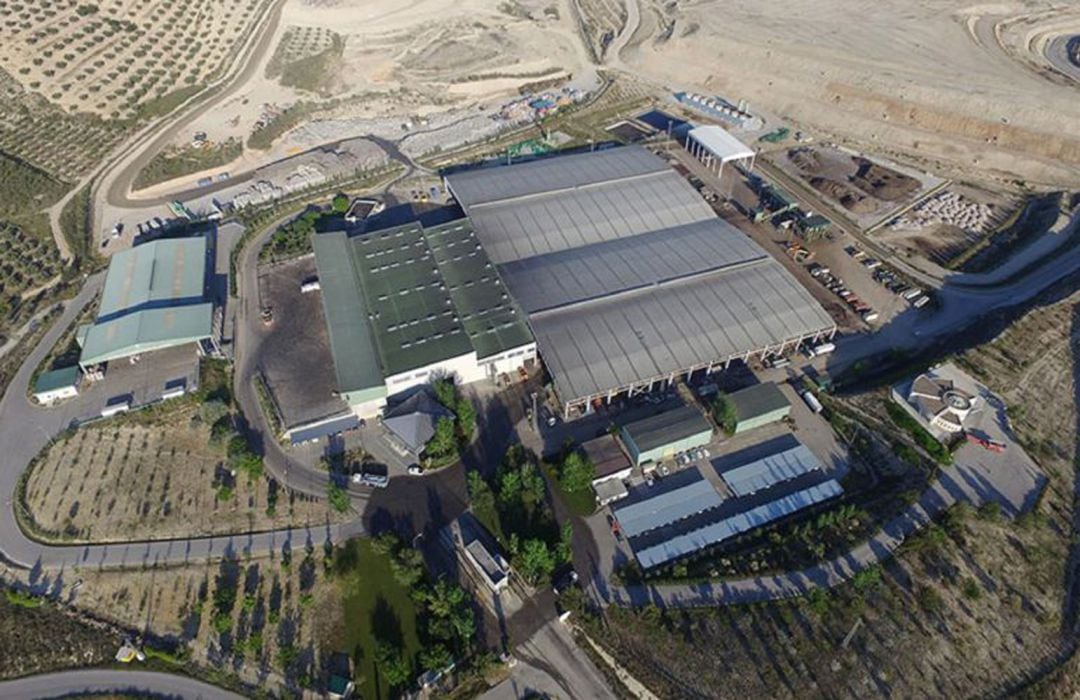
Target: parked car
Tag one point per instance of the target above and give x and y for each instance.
(566, 581)
(614, 525)
(416, 470)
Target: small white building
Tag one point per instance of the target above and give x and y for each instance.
(715, 147)
(495, 569)
(57, 385)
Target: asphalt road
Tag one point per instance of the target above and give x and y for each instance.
(111, 682)
(1057, 52)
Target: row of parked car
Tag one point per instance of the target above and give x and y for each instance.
(836, 285)
(889, 279)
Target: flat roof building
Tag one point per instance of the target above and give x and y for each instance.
(715, 147)
(627, 276)
(495, 569)
(665, 507)
(666, 434)
(57, 385)
(608, 458)
(155, 297)
(759, 405)
(408, 304)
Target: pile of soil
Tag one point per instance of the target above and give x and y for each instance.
(881, 182)
(850, 198)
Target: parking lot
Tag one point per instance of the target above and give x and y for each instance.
(136, 383)
(294, 353)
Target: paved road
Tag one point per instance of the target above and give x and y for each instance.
(111, 682)
(551, 663)
(1057, 52)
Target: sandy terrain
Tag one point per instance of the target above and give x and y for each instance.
(927, 80)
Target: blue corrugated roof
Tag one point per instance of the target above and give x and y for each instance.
(324, 429)
(668, 507)
(770, 470)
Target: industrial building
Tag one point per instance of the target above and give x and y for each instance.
(770, 470)
(628, 278)
(409, 304)
(759, 405)
(155, 297)
(715, 148)
(612, 468)
(666, 434)
(412, 422)
(692, 495)
(57, 385)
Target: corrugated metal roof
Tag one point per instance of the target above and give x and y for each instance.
(485, 185)
(758, 400)
(667, 427)
(165, 271)
(720, 143)
(626, 273)
(625, 264)
(771, 470)
(145, 331)
(325, 428)
(667, 507)
(352, 342)
(727, 528)
(606, 455)
(629, 338)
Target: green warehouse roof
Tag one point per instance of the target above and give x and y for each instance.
(154, 298)
(164, 272)
(408, 297)
(666, 428)
(758, 400)
(56, 379)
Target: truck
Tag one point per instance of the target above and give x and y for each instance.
(818, 350)
(812, 401)
(921, 302)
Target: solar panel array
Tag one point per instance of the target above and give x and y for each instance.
(771, 470)
(727, 528)
(666, 508)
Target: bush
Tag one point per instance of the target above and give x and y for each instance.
(576, 472)
(723, 412)
(338, 497)
(340, 203)
(924, 439)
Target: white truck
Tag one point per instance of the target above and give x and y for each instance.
(819, 350)
(812, 401)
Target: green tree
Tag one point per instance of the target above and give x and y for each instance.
(338, 497)
(445, 392)
(408, 567)
(466, 417)
(723, 412)
(391, 665)
(536, 561)
(212, 411)
(340, 203)
(480, 493)
(450, 616)
(444, 441)
(577, 472)
(435, 657)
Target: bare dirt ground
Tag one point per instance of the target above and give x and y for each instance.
(928, 81)
(138, 482)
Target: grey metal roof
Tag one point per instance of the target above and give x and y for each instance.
(626, 273)
(625, 264)
(720, 143)
(668, 507)
(414, 419)
(547, 223)
(629, 338)
(168, 271)
(338, 424)
(727, 528)
(474, 187)
(771, 470)
(667, 427)
(758, 400)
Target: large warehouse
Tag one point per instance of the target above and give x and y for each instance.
(411, 303)
(627, 276)
(155, 297)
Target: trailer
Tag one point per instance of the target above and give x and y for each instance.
(819, 350)
(812, 402)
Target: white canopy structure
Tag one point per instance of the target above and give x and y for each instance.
(715, 147)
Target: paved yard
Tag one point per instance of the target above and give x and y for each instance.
(294, 354)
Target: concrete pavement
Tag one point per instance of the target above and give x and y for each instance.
(111, 682)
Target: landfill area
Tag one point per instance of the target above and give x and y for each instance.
(865, 188)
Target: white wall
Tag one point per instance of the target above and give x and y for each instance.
(65, 392)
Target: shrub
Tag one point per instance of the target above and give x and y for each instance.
(338, 497)
(723, 412)
(576, 472)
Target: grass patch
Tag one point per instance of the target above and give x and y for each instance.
(21, 599)
(25, 189)
(75, 223)
(167, 103)
(377, 609)
(581, 502)
(314, 73)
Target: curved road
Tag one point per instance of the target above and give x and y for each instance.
(111, 682)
